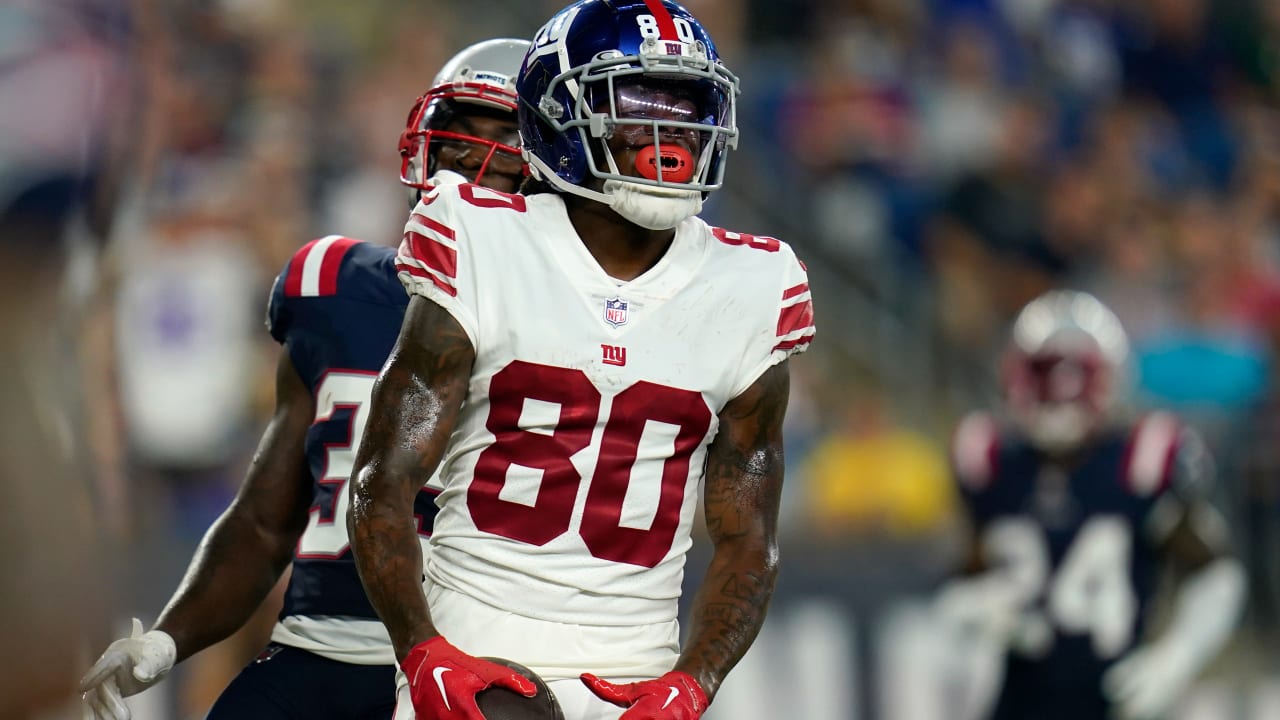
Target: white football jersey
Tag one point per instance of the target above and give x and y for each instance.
(572, 477)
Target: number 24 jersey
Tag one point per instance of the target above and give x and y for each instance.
(573, 474)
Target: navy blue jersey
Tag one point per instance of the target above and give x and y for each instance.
(1082, 538)
(337, 309)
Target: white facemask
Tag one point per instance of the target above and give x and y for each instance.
(654, 208)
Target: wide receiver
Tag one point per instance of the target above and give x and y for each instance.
(1073, 509)
(580, 362)
(336, 308)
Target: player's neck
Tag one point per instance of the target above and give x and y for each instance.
(624, 250)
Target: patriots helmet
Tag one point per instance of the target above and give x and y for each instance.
(647, 72)
(1064, 369)
(478, 81)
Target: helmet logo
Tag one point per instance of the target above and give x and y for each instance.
(615, 311)
(492, 78)
(551, 107)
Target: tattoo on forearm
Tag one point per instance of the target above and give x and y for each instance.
(743, 486)
(415, 406)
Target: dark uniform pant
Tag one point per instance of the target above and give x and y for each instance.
(1051, 691)
(285, 683)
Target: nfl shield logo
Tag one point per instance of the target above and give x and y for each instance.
(615, 311)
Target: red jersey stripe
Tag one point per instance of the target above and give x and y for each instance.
(427, 275)
(313, 270)
(666, 25)
(331, 264)
(795, 317)
(791, 292)
(792, 344)
(432, 253)
(293, 281)
(433, 225)
(1150, 456)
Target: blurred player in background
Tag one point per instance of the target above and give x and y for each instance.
(580, 361)
(336, 309)
(1073, 511)
(69, 87)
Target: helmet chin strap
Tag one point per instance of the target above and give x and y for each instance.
(654, 208)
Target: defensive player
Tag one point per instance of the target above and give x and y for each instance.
(579, 362)
(1072, 511)
(336, 308)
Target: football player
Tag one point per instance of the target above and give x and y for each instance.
(336, 309)
(580, 361)
(1073, 511)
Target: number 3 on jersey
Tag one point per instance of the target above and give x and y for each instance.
(326, 534)
(645, 420)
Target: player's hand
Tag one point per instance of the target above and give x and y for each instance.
(674, 696)
(444, 681)
(129, 666)
(982, 606)
(1146, 683)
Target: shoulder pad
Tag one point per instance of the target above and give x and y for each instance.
(1150, 455)
(313, 271)
(758, 242)
(973, 450)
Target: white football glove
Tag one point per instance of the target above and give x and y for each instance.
(1148, 682)
(129, 666)
(984, 605)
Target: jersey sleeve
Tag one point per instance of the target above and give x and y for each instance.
(279, 318)
(311, 272)
(434, 258)
(1150, 458)
(975, 447)
(1170, 463)
(791, 326)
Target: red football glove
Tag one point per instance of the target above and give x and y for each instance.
(674, 696)
(443, 681)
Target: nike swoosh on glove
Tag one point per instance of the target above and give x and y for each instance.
(127, 667)
(444, 681)
(674, 696)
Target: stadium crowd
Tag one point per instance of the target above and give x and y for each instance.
(937, 163)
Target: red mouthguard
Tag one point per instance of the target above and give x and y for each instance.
(677, 163)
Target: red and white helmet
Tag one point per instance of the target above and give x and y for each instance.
(1062, 372)
(481, 79)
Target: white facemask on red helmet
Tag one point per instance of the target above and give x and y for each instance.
(1064, 368)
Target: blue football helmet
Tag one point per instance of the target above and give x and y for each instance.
(585, 78)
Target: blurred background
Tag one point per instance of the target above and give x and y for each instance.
(936, 163)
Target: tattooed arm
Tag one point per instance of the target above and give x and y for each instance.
(415, 405)
(742, 494)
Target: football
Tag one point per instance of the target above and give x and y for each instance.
(502, 704)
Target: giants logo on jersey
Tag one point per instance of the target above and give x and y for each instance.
(614, 355)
